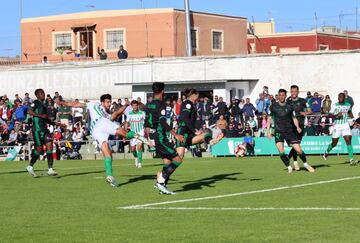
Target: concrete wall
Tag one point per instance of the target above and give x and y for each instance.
(327, 73)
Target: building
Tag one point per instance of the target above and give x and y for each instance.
(262, 38)
(5, 61)
(142, 32)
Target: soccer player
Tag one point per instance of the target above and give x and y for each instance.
(135, 119)
(155, 124)
(41, 134)
(341, 112)
(187, 120)
(101, 127)
(301, 109)
(284, 118)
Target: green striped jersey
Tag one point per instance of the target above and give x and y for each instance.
(344, 108)
(97, 112)
(136, 121)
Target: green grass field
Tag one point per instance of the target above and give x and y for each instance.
(257, 202)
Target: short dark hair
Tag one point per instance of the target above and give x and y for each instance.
(190, 91)
(38, 90)
(134, 102)
(105, 97)
(294, 87)
(282, 91)
(158, 87)
(342, 94)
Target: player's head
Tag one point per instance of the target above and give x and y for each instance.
(341, 98)
(282, 95)
(135, 105)
(105, 100)
(192, 94)
(40, 94)
(158, 89)
(294, 90)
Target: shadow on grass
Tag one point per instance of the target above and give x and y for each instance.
(209, 181)
(138, 178)
(80, 174)
(19, 172)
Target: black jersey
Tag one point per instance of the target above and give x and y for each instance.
(188, 115)
(299, 105)
(282, 115)
(155, 117)
(39, 124)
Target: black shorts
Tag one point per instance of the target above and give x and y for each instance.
(164, 148)
(290, 137)
(41, 137)
(188, 137)
(300, 135)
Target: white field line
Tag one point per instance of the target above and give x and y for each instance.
(238, 194)
(241, 209)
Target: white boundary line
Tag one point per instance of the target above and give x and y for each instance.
(242, 209)
(143, 206)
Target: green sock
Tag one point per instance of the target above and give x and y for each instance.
(330, 147)
(108, 166)
(130, 135)
(139, 155)
(350, 151)
(135, 154)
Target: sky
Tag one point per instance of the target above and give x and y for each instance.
(289, 15)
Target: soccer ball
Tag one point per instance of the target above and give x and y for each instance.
(240, 150)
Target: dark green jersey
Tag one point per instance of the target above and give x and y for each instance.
(299, 105)
(282, 115)
(188, 115)
(39, 124)
(155, 116)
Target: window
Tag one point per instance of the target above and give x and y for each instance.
(114, 39)
(323, 47)
(217, 40)
(63, 41)
(195, 38)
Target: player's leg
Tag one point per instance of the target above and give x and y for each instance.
(350, 149)
(133, 151)
(49, 151)
(106, 151)
(300, 152)
(283, 156)
(35, 154)
(336, 133)
(139, 153)
(126, 134)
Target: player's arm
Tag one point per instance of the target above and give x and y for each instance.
(186, 118)
(268, 126)
(115, 115)
(297, 124)
(31, 112)
(169, 129)
(70, 103)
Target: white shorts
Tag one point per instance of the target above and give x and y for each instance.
(102, 130)
(134, 142)
(341, 130)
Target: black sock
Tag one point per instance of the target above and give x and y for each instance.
(303, 157)
(293, 154)
(169, 169)
(34, 157)
(208, 137)
(49, 159)
(285, 159)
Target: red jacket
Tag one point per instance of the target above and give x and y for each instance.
(8, 111)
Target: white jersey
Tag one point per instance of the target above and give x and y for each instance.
(97, 112)
(343, 108)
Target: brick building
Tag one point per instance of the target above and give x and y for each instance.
(143, 33)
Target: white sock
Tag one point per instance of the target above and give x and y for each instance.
(306, 164)
(295, 163)
(289, 167)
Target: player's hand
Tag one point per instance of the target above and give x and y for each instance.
(299, 129)
(268, 135)
(180, 138)
(198, 133)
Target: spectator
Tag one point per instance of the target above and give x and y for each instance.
(77, 137)
(233, 122)
(253, 124)
(325, 109)
(204, 108)
(260, 104)
(235, 108)
(12, 139)
(231, 132)
(310, 129)
(222, 107)
(248, 130)
(267, 103)
(18, 98)
(57, 95)
(122, 53)
(240, 130)
(248, 110)
(263, 125)
(27, 99)
(51, 110)
(177, 107)
(140, 104)
(355, 131)
(44, 60)
(308, 97)
(77, 113)
(348, 99)
(216, 100)
(64, 114)
(102, 54)
(249, 144)
(5, 111)
(322, 130)
(315, 102)
(168, 111)
(83, 49)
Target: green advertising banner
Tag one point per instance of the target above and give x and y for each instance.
(264, 146)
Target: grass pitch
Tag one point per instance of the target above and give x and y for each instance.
(217, 200)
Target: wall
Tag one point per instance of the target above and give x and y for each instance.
(325, 72)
